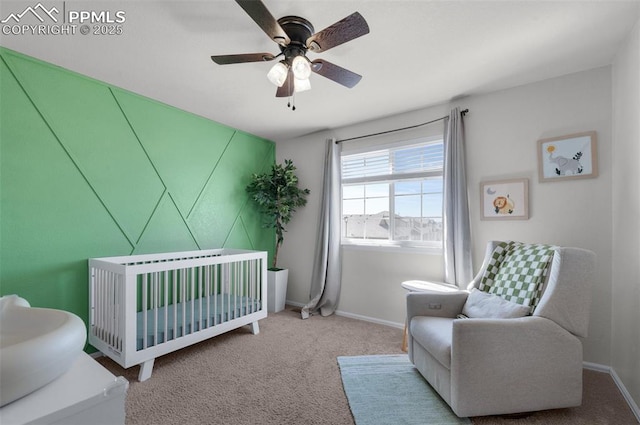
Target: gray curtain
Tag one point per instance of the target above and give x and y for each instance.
(458, 269)
(327, 265)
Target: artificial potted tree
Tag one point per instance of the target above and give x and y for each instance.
(277, 196)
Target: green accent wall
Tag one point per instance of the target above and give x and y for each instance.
(91, 170)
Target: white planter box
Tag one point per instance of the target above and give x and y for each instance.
(276, 290)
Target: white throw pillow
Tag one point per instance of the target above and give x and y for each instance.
(483, 305)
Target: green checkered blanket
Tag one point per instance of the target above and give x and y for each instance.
(517, 271)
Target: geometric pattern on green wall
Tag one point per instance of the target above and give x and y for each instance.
(252, 224)
(88, 122)
(238, 235)
(50, 218)
(224, 197)
(166, 223)
(183, 148)
(98, 171)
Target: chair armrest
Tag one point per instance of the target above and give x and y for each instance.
(488, 355)
(448, 304)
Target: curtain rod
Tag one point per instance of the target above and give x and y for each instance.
(399, 129)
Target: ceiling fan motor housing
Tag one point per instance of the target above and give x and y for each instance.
(299, 30)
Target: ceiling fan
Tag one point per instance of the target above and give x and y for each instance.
(295, 36)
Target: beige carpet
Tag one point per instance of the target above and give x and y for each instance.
(288, 374)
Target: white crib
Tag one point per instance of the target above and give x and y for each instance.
(145, 306)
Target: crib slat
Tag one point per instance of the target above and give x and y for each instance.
(249, 283)
(256, 290)
(97, 310)
(112, 308)
(156, 306)
(252, 283)
(252, 270)
(105, 311)
(120, 322)
(247, 286)
(192, 285)
(229, 289)
(250, 295)
(259, 282)
(207, 292)
(99, 313)
(242, 283)
(239, 290)
(183, 284)
(166, 305)
(199, 280)
(175, 304)
(144, 311)
(215, 294)
(97, 299)
(109, 308)
(110, 281)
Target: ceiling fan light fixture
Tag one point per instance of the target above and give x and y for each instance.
(278, 73)
(301, 67)
(301, 84)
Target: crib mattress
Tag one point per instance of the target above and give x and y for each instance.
(178, 319)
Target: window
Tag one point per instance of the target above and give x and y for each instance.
(393, 196)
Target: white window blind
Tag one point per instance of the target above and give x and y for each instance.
(404, 162)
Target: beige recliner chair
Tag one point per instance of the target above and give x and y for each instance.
(490, 365)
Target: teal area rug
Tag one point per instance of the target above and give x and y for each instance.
(384, 390)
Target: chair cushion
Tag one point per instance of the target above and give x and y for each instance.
(481, 304)
(517, 272)
(434, 335)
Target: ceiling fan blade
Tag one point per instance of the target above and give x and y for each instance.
(353, 26)
(286, 89)
(265, 20)
(247, 57)
(336, 73)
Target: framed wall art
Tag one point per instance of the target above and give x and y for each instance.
(504, 200)
(568, 157)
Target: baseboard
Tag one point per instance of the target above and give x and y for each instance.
(596, 367)
(608, 369)
(357, 316)
(294, 303)
(630, 401)
(370, 319)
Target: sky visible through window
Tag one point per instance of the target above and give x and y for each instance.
(421, 197)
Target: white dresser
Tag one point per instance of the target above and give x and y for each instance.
(87, 394)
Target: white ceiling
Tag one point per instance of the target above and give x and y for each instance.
(418, 53)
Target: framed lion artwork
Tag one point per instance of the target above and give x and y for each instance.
(504, 200)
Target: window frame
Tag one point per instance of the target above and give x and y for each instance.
(390, 179)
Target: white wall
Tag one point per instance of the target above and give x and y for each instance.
(502, 129)
(626, 215)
